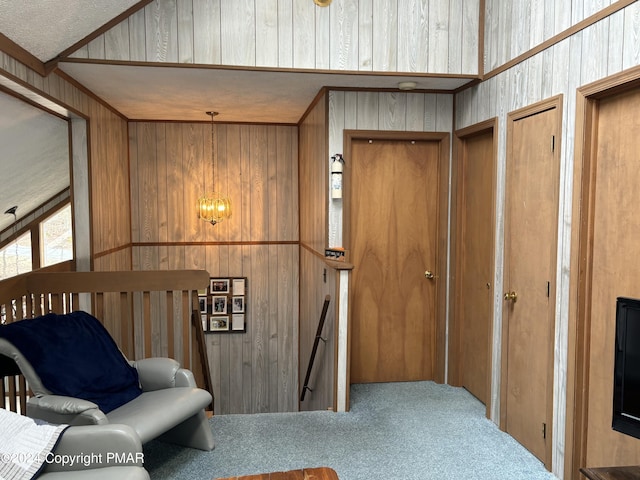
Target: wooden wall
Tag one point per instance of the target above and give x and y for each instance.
(316, 279)
(358, 35)
(108, 166)
(514, 28)
(436, 36)
(601, 49)
(314, 182)
(109, 175)
(257, 166)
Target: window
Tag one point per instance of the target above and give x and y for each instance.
(15, 257)
(40, 243)
(56, 238)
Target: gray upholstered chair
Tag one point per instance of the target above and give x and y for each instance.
(158, 400)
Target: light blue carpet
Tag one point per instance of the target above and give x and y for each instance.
(402, 431)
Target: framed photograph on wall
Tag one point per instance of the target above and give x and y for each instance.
(219, 304)
(237, 322)
(204, 318)
(237, 304)
(219, 286)
(238, 286)
(203, 304)
(219, 323)
(225, 305)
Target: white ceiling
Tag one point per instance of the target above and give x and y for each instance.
(34, 155)
(46, 28)
(35, 152)
(186, 93)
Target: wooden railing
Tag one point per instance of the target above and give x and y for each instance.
(148, 313)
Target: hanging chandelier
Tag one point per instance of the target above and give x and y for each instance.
(214, 207)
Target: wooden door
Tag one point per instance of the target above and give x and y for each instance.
(474, 286)
(394, 240)
(530, 265)
(614, 270)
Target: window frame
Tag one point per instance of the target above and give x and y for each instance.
(40, 241)
(33, 227)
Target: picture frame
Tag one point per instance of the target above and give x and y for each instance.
(224, 307)
(219, 286)
(219, 305)
(237, 304)
(238, 286)
(219, 323)
(202, 300)
(237, 322)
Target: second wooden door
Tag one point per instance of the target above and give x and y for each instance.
(474, 285)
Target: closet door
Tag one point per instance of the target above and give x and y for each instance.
(531, 219)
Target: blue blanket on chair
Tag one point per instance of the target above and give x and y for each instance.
(74, 355)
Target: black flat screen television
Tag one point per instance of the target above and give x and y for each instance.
(626, 387)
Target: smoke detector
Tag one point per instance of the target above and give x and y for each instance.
(407, 85)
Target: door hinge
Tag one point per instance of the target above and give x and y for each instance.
(548, 289)
(544, 431)
(553, 143)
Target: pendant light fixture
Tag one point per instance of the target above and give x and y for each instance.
(322, 3)
(214, 207)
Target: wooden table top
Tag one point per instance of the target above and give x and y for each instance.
(322, 473)
(612, 473)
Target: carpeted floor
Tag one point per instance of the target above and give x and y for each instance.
(403, 431)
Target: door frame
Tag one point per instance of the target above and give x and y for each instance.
(584, 183)
(456, 238)
(536, 108)
(443, 138)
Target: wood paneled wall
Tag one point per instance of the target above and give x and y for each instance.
(316, 279)
(605, 48)
(513, 28)
(436, 36)
(118, 260)
(108, 168)
(109, 175)
(314, 182)
(171, 166)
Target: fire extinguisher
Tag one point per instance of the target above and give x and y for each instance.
(336, 175)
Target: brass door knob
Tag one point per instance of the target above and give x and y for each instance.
(513, 296)
(429, 275)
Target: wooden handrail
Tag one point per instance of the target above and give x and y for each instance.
(90, 282)
(323, 316)
(13, 288)
(16, 286)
